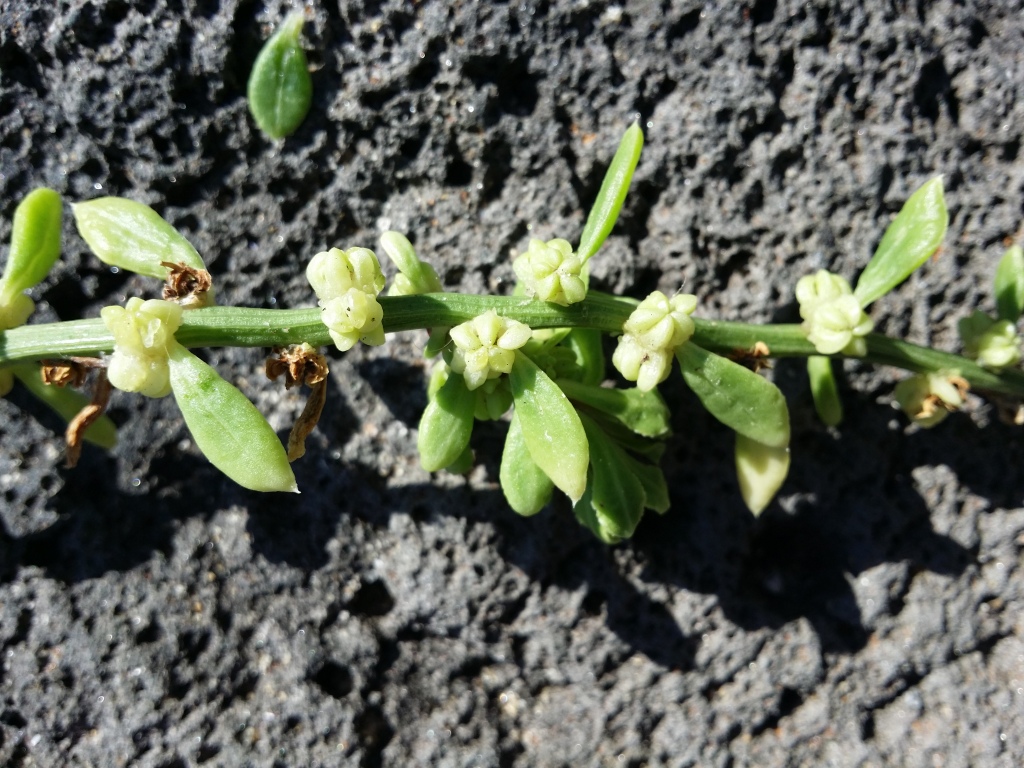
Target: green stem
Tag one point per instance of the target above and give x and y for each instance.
(242, 327)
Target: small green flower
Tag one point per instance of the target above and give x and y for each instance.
(551, 272)
(993, 343)
(143, 337)
(650, 337)
(485, 347)
(928, 398)
(347, 284)
(833, 318)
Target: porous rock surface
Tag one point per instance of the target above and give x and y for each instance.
(154, 614)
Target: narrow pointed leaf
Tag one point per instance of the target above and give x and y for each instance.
(446, 424)
(914, 235)
(736, 396)
(35, 242)
(527, 489)
(66, 403)
(761, 471)
(227, 428)
(551, 427)
(643, 412)
(824, 390)
(132, 236)
(613, 192)
(280, 89)
(1010, 284)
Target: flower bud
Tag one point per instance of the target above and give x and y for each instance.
(347, 284)
(551, 272)
(833, 318)
(650, 337)
(143, 336)
(485, 347)
(993, 343)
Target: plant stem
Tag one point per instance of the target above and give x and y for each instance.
(243, 327)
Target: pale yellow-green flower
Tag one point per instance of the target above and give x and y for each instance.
(834, 320)
(993, 343)
(347, 284)
(143, 337)
(650, 337)
(485, 347)
(551, 272)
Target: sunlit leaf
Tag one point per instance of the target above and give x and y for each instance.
(914, 235)
(614, 500)
(761, 470)
(551, 427)
(446, 424)
(527, 489)
(612, 194)
(736, 396)
(280, 89)
(35, 242)
(824, 390)
(586, 343)
(643, 412)
(1010, 284)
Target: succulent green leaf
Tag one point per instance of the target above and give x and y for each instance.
(67, 403)
(527, 489)
(914, 235)
(280, 89)
(614, 500)
(227, 428)
(761, 470)
(586, 344)
(824, 390)
(612, 194)
(446, 424)
(551, 427)
(643, 412)
(655, 487)
(417, 276)
(132, 236)
(1010, 284)
(736, 396)
(35, 242)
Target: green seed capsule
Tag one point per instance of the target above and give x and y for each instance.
(35, 242)
(280, 89)
(228, 429)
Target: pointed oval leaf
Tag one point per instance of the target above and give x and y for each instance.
(761, 470)
(643, 412)
(614, 500)
(551, 427)
(1010, 284)
(280, 89)
(914, 235)
(446, 424)
(736, 396)
(227, 428)
(613, 192)
(66, 403)
(132, 236)
(35, 242)
(824, 390)
(527, 489)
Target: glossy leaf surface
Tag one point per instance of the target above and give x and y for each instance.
(643, 412)
(280, 89)
(551, 427)
(761, 470)
(35, 242)
(1010, 284)
(824, 390)
(736, 396)
(446, 424)
(614, 500)
(612, 194)
(527, 489)
(914, 235)
(227, 428)
(132, 236)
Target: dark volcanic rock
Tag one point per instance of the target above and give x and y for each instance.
(154, 614)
